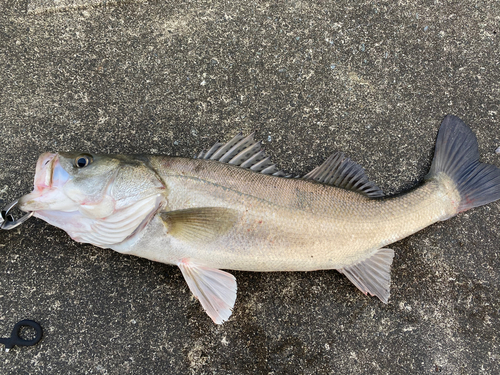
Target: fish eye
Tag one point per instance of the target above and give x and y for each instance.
(83, 160)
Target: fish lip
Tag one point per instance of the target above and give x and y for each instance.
(45, 170)
(44, 184)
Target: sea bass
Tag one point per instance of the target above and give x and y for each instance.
(230, 208)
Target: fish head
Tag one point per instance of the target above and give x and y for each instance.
(78, 192)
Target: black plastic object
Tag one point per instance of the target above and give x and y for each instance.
(14, 338)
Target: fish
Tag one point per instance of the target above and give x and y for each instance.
(230, 208)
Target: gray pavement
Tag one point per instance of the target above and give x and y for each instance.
(372, 79)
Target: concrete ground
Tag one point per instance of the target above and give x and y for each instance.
(370, 78)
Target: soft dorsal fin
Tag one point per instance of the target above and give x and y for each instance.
(243, 152)
(373, 275)
(338, 170)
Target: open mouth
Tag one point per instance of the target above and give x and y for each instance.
(47, 194)
(44, 171)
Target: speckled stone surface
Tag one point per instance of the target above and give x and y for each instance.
(372, 79)
(39, 6)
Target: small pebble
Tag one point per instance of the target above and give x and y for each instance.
(497, 150)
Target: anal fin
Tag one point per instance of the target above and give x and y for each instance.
(373, 275)
(215, 289)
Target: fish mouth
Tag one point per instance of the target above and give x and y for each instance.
(44, 170)
(50, 178)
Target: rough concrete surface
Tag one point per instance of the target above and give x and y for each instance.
(370, 78)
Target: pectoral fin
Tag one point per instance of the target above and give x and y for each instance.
(215, 289)
(200, 225)
(373, 275)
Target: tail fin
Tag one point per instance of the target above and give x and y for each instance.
(457, 156)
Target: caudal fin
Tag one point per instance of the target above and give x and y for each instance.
(457, 156)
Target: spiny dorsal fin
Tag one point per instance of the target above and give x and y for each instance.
(243, 152)
(338, 170)
(373, 275)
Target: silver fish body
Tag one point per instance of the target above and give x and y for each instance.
(231, 209)
(284, 224)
